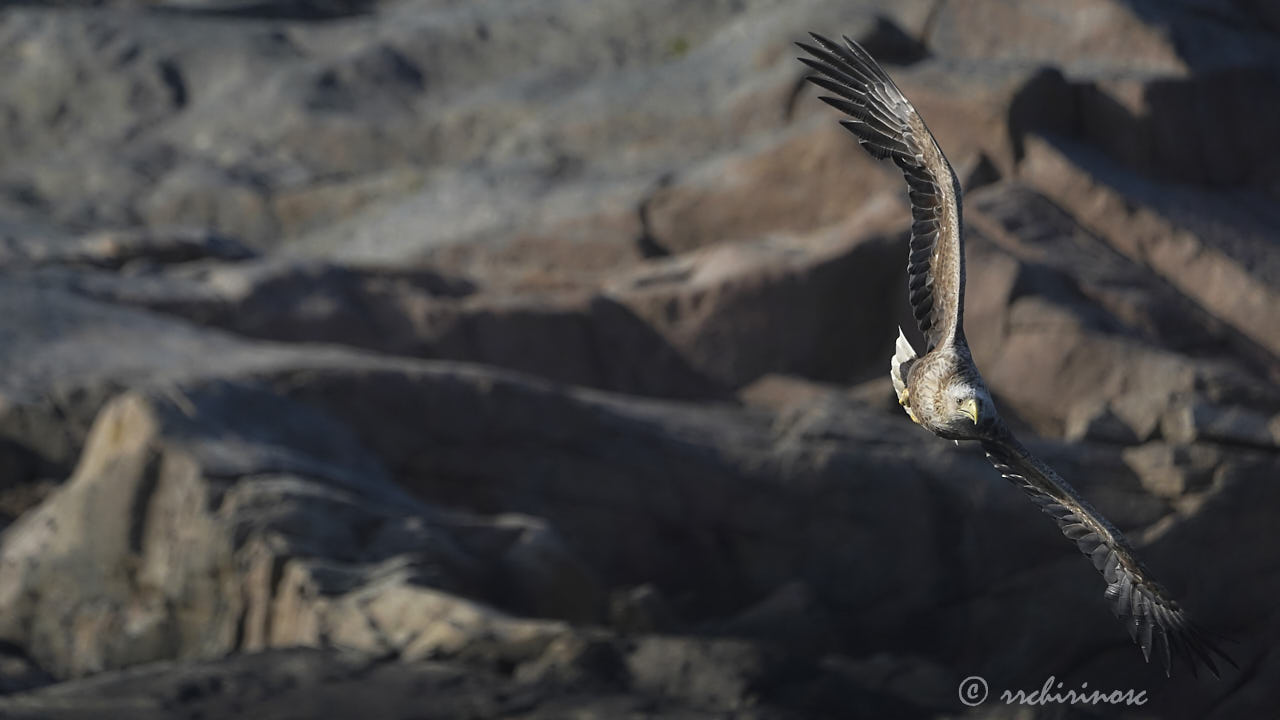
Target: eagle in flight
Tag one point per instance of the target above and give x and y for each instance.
(941, 389)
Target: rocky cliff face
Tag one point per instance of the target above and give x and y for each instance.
(486, 359)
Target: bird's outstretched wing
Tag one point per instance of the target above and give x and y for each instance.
(1154, 620)
(888, 126)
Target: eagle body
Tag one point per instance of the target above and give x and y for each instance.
(936, 384)
(941, 389)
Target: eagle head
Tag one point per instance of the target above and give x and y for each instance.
(965, 410)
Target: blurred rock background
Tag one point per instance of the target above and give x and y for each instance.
(477, 358)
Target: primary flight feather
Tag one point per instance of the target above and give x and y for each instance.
(942, 390)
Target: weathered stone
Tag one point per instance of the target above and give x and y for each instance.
(1194, 419)
(1097, 422)
(199, 203)
(712, 672)
(1194, 256)
(234, 521)
(1173, 470)
(641, 609)
(132, 250)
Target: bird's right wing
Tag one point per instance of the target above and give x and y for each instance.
(888, 126)
(1153, 618)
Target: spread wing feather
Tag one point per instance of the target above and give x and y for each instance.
(1154, 620)
(888, 126)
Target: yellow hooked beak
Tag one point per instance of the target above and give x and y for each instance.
(970, 409)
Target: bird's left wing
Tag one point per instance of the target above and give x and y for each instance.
(888, 126)
(1153, 618)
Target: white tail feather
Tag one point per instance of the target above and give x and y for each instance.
(903, 355)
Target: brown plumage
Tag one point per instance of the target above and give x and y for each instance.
(942, 389)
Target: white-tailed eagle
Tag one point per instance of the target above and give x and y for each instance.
(941, 389)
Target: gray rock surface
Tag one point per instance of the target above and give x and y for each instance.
(482, 359)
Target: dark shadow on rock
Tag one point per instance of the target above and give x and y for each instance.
(378, 74)
(1199, 28)
(889, 43)
(1265, 12)
(633, 357)
(1045, 104)
(305, 10)
(590, 341)
(20, 469)
(18, 671)
(980, 173)
(1213, 129)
